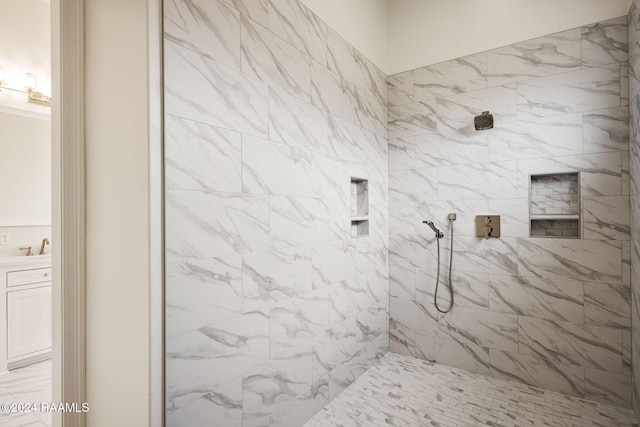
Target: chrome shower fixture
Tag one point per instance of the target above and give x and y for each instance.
(483, 121)
(439, 234)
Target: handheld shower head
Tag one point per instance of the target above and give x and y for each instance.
(439, 234)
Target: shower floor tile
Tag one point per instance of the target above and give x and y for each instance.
(403, 391)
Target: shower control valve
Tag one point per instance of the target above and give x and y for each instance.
(488, 226)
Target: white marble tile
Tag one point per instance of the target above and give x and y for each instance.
(402, 390)
(413, 185)
(600, 174)
(270, 59)
(496, 180)
(343, 59)
(606, 217)
(626, 263)
(470, 290)
(400, 87)
(272, 168)
(426, 322)
(456, 351)
(348, 141)
(553, 299)
(297, 123)
(222, 406)
(402, 325)
(199, 292)
(588, 260)
(605, 42)
(537, 371)
(485, 328)
(371, 113)
(254, 9)
(607, 305)
(624, 84)
(606, 387)
(297, 221)
(588, 89)
(626, 353)
(412, 119)
(438, 211)
(333, 262)
(402, 278)
(478, 255)
(457, 111)
(331, 93)
(203, 90)
(585, 345)
(205, 225)
(514, 216)
(552, 136)
(447, 78)
(401, 153)
(201, 157)
(276, 275)
(330, 178)
(272, 392)
(402, 217)
(606, 130)
(201, 361)
(298, 320)
(451, 148)
(339, 223)
(543, 56)
(372, 253)
(379, 218)
(295, 23)
(210, 28)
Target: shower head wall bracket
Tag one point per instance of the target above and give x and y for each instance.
(439, 234)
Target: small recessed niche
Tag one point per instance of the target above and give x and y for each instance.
(359, 207)
(554, 205)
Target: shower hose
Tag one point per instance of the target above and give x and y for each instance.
(435, 296)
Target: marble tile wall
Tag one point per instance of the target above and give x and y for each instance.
(550, 312)
(272, 308)
(632, 340)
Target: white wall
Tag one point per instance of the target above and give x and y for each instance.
(25, 169)
(363, 23)
(26, 47)
(424, 32)
(25, 181)
(117, 213)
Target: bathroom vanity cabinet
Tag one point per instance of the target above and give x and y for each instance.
(26, 314)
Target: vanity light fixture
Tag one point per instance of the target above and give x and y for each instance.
(29, 87)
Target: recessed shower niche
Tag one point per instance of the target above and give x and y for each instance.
(554, 205)
(359, 207)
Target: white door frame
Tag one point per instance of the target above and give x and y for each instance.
(156, 214)
(68, 203)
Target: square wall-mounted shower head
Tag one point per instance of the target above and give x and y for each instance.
(483, 121)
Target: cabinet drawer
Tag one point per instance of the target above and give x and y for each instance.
(27, 277)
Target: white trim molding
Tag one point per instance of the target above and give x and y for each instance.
(68, 201)
(156, 215)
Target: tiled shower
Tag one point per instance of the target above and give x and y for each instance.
(297, 177)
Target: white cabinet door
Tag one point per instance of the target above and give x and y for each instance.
(28, 321)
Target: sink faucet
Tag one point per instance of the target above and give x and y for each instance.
(45, 241)
(28, 249)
